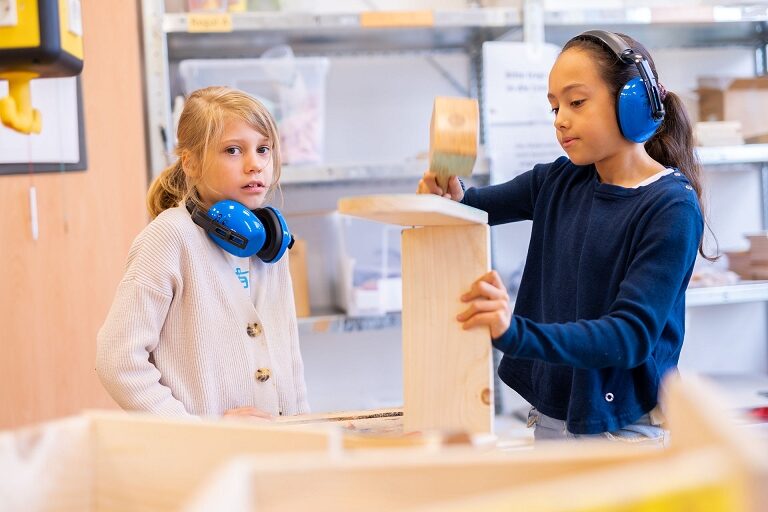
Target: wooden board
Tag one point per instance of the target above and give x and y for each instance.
(367, 420)
(453, 137)
(412, 210)
(700, 481)
(151, 463)
(297, 262)
(447, 371)
(389, 480)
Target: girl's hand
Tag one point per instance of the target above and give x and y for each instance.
(248, 412)
(490, 305)
(428, 185)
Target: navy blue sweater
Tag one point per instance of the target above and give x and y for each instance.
(600, 313)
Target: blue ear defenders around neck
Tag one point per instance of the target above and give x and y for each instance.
(243, 232)
(639, 109)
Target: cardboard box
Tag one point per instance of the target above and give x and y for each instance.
(735, 99)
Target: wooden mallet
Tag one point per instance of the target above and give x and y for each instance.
(453, 138)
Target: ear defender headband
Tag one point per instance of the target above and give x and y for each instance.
(639, 106)
(244, 232)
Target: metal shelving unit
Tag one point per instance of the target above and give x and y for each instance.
(733, 155)
(172, 36)
(328, 173)
(334, 322)
(282, 21)
(337, 322)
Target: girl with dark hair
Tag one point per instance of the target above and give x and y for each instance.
(599, 317)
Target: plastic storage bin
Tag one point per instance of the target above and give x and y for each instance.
(292, 88)
(370, 276)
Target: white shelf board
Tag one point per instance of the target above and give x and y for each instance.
(745, 291)
(337, 322)
(725, 155)
(413, 169)
(639, 14)
(281, 20)
(323, 173)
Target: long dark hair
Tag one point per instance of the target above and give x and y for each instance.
(672, 145)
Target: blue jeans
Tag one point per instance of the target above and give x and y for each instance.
(642, 432)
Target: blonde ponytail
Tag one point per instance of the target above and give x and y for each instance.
(167, 190)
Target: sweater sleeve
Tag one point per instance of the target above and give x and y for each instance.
(124, 343)
(514, 200)
(624, 337)
(132, 328)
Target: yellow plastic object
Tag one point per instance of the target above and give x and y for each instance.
(38, 39)
(16, 110)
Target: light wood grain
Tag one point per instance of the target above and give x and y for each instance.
(412, 210)
(56, 291)
(447, 371)
(702, 480)
(453, 137)
(387, 480)
(297, 261)
(47, 467)
(155, 464)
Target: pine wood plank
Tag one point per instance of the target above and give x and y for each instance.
(412, 210)
(447, 371)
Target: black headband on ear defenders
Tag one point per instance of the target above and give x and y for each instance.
(639, 115)
(243, 232)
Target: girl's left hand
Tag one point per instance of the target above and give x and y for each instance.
(490, 305)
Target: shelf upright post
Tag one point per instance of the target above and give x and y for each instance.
(157, 89)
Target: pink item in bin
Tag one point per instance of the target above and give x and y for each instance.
(292, 88)
(207, 5)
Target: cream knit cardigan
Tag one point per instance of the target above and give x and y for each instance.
(176, 340)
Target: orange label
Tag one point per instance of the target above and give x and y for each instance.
(383, 19)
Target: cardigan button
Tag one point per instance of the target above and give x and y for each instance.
(253, 330)
(262, 374)
(609, 397)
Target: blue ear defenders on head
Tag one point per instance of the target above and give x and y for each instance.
(244, 232)
(639, 108)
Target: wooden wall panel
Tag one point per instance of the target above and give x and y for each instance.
(55, 292)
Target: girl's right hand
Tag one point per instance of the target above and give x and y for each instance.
(428, 185)
(248, 412)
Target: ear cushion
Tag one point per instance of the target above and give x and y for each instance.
(278, 237)
(634, 112)
(231, 226)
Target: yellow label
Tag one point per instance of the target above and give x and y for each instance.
(71, 41)
(26, 32)
(209, 23)
(394, 19)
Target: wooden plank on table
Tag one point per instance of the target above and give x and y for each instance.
(149, 463)
(412, 210)
(699, 481)
(387, 480)
(447, 371)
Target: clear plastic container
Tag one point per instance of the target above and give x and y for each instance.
(292, 88)
(207, 5)
(370, 275)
